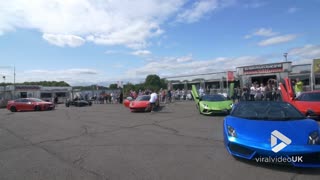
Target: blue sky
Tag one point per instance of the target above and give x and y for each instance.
(86, 42)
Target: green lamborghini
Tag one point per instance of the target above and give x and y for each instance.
(211, 104)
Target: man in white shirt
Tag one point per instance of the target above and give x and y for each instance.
(153, 100)
(201, 92)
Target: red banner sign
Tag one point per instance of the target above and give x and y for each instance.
(266, 68)
(230, 76)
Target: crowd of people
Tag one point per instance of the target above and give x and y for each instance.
(270, 91)
(266, 92)
(164, 95)
(104, 98)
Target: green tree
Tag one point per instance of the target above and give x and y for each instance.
(127, 87)
(47, 83)
(113, 86)
(163, 83)
(153, 82)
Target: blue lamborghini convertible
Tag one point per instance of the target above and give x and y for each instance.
(272, 132)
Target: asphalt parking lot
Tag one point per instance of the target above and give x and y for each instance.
(108, 142)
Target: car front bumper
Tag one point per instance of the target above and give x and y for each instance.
(298, 156)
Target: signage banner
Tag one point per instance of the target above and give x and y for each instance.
(230, 76)
(262, 69)
(316, 66)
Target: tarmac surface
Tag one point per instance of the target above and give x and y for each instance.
(107, 141)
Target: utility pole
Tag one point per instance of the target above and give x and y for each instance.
(14, 82)
(285, 56)
(4, 87)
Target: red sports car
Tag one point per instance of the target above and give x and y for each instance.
(29, 104)
(308, 102)
(127, 101)
(141, 103)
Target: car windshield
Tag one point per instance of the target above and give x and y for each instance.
(143, 98)
(266, 110)
(309, 97)
(216, 97)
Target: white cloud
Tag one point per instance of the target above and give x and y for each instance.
(277, 40)
(172, 66)
(199, 10)
(76, 71)
(128, 23)
(73, 76)
(185, 59)
(254, 5)
(141, 53)
(304, 54)
(164, 67)
(63, 40)
(265, 32)
(111, 52)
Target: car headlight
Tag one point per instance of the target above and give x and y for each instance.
(205, 105)
(231, 131)
(314, 138)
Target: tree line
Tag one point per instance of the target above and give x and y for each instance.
(152, 82)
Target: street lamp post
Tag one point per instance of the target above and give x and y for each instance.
(285, 56)
(4, 87)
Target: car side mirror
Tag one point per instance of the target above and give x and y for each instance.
(311, 114)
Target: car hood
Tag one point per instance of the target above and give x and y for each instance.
(260, 130)
(218, 104)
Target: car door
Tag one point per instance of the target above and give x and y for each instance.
(194, 93)
(27, 105)
(287, 92)
(18, 104)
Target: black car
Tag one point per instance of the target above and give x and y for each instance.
(78, 103)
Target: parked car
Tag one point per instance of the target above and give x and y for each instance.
(264, 130)
(127, 101)
(211, 104)
(308, 102)
(29, 104)
(78, 103)
(141, 103)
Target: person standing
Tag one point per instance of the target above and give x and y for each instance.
(121, 97)
(201, 91)
(252, 92)
(153, 100)
(298, 88)
(169, 94)
(56, 100)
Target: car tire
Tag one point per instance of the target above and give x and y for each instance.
(67, 104)
(37, 108)
(13, 109)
